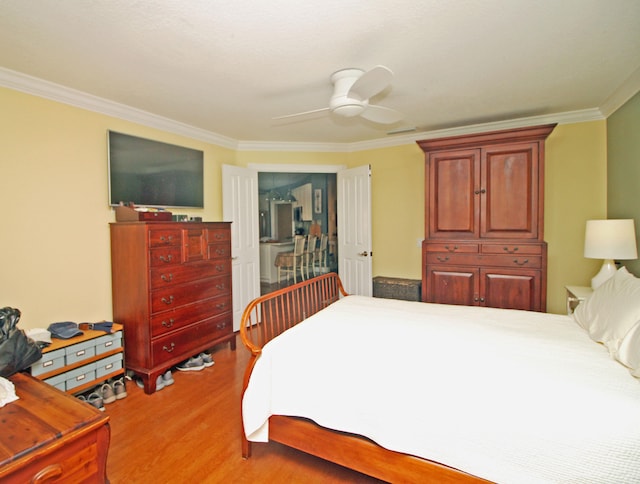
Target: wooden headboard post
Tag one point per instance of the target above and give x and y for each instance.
(270, 315)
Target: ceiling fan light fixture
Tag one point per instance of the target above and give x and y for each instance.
(348, 110)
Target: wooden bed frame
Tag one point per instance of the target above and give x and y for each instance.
(268, 316)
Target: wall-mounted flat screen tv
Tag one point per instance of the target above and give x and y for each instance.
(154, 174)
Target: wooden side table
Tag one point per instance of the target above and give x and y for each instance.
(47, 435)
(575, 295)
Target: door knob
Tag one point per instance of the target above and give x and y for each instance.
(364, 254)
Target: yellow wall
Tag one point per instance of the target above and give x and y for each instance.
(54, 255)
(575, 191)
(55, 246)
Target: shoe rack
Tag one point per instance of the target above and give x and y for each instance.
(77, 364)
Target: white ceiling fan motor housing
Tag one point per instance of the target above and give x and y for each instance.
(340, 103)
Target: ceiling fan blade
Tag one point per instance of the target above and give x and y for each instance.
(371, 83)
(301, 114)
(382, 115)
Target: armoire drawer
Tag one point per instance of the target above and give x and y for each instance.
(514, 260)
(182, 294)
(512, 249)
(453, 247)
(179, 343)
(166, 276)
(172, 320)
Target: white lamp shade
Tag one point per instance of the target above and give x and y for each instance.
(610, 239)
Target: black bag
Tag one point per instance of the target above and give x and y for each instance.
(17, 351)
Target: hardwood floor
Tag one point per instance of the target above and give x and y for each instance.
(190, 432)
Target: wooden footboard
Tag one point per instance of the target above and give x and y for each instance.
(270, 315)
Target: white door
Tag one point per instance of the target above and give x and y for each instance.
(240, 206)
(354, 230)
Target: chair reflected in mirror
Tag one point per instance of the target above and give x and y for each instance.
(309, 254)
(292, 262)
(320, 257)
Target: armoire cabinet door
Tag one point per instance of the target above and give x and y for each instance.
(509, 186)
(446, 285)
(453, 186)
(511, 289)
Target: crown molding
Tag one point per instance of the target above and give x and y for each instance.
(625, 91)
(49, 90)
(56, 92)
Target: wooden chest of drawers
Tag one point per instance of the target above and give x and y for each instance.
(47, 436)
(171, 284)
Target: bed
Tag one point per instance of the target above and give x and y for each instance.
(408, 391)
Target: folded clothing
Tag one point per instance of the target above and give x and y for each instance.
(64, 330)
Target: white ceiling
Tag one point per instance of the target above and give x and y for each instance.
(229, 67)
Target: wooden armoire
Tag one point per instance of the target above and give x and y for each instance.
(484, 219)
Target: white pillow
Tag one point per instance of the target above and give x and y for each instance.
(613, 308)
(629, 352)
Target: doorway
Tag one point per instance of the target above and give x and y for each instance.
(290, 204)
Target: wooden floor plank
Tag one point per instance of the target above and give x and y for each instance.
(190, 432)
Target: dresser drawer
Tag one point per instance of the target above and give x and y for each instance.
(218, 235)
(180, 343)
(219, 251)
(164, 237)
(166, 276)
(176, 319)
(180, 295)
(165, 256)
(532, 262)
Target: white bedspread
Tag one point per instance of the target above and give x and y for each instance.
(510, 396)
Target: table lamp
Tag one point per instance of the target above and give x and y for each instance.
(609, 240)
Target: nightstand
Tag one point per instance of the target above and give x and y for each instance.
(575, 295)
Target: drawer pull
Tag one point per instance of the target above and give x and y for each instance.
(167, 259)
(80, 353)
(108, 343)
(219, 236)
(220, 251)
(167, 278)
(220, 305)
(169, 349)
(443, 259)
(50, 472)
(451, 249)
(220, 287)
(220, 268)
(47, 363)
(169, 324)
(478, 299)
(510, 251)
(524, 262)
(166, 240)
(482, 190)
(168, 300)
(221, 325)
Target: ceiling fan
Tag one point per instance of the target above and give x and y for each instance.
(352, 89)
